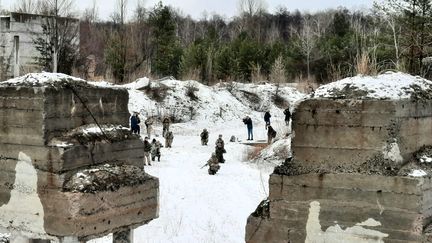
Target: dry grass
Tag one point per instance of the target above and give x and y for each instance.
(253, 152)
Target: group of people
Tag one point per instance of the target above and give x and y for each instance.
(217, 156)
(152, 148)
(271, 133)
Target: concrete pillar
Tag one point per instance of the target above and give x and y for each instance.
(125, 236)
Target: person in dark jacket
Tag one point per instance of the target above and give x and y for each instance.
(147, 151)
(248, 121)
(271, 133)
(267, 119)
(287, 114)
(220, 149)
(135, 121)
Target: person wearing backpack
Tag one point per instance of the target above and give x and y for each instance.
(271, 133)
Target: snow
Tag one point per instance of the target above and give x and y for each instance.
(390, 85)
(425, 159)
(195, 206)
(417, 173)
(41, 78)
(198, 207)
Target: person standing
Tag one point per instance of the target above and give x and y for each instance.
(220, 149)
(248, 121)
(169, 136)
(165, 126)
(147, 150)
(135, 121)
(287, 114)
(204, 137)
(271, 133)
(155, 150)
(149, 122)
(267, 119)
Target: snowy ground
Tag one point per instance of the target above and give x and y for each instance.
(197, 207)
(194, 206)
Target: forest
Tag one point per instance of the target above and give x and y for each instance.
(253, 46)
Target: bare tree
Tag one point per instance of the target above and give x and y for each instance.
(251, 7)
(306, 39)
(389, 14)
(58, 44)
(26, 6)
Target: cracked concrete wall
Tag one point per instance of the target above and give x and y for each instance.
(399, 204)
(343, 184)
(35, 121)
(350, 132)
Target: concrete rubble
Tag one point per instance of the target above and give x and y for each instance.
(71, 170)
(361, 172)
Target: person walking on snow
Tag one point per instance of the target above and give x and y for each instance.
(248, 121)
(271, 133)
(135, 121)
(165, 126)
(267, 119)
(204, 137)
(149, 122)
(155, 150)
(220, 149)
(169, 136)
(287, 114)
(147, 150)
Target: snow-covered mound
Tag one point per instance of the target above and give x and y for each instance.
(390, 85)
(186, 101)
(39, 79)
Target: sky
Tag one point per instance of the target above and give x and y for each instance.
(199, 8)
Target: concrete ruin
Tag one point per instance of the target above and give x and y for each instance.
(70, 168)
(355, 174)
(18, 33)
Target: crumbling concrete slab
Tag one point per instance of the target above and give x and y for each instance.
(352, 176)
(71, 169)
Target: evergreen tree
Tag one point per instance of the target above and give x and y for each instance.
(167, 52)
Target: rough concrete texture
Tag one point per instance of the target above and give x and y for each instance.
(347, 133)
(348, 181)
(62, 174)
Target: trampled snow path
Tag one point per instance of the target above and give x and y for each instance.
(197, 207)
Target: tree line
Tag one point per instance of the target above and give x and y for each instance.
(256, 45)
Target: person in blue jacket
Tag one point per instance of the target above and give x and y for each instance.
(248, 121)
(135, 121)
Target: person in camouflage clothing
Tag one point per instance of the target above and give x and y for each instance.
(147, 150)
(169, 136)
(155, 150)
(165, 126)
(204, 137)
(220, 149)
(149, 125)
(213, 164)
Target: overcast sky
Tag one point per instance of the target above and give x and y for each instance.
(226, 8)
